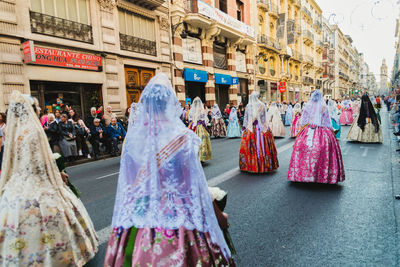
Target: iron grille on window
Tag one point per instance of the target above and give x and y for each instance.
(138, 45)
(58, 27)
(220, 60)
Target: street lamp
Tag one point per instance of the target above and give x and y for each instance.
(183, 34)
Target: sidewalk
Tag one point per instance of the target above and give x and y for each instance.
(86, 160)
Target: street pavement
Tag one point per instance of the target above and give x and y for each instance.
(278, 223)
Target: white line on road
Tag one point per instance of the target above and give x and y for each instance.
(104, 234)
(108, 175)
(364, 154)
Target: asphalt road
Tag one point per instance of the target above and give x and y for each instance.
(278, 223)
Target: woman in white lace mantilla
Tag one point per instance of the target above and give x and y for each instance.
(42, 223)
(163, 214)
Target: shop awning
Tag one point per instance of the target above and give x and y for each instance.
(223, 79)
(192, 75)
(235, 80)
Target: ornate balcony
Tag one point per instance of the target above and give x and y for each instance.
(307, 12)
(308, 80)
(268, 42)
(264, 4)
(138, 45)
(273, 10)
(62, 28)
(149, 4)
(308, 37)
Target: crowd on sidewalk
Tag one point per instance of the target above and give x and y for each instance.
(73, 136)
(393, 106)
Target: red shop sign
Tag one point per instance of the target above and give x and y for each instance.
(60, 58)
(282, 87)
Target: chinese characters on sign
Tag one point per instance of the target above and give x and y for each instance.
(54, 57)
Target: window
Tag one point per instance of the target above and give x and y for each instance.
(220, 60)
(222, 5)
(75, 10)
(239, 10)
(136, 25)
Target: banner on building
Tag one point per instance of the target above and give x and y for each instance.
(221, 17)
(60, 58)
(192, 50)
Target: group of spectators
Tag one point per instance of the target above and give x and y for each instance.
(71, 134)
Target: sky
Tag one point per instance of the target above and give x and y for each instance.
(370, 23)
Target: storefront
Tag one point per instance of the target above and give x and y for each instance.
(263, 90)
(222, 84)
(54, 95)
(59, 77)
(195, 82)
(243, 91)
(135, 81)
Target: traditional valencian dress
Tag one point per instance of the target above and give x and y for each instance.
(333, 113)
(218, 127)
(198, 124)
(163, 214)
(346, 118)
(295, 127)
(258, 152)
(289, 115)
(366, 127)
(274, 120)
(316, 156)
(42, 222)
(233, 126)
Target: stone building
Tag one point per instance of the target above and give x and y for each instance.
(82, 52)
(213, 50)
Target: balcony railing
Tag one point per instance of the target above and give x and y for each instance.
(138, 45)
(269, 41)
(309, 59)
(308, 80)
(273, 8)
(307, 12)
(191, 6)
(318, 24)
(58, 27)
(343, 76)
(308, 34)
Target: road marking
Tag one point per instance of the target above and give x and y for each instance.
(364, 154)
(104, 234)
(108, 175)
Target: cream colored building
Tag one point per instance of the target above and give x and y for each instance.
(125, 42)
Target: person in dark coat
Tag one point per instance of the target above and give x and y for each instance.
(98, 134)
(51, 130)
(67, 141)
(116, 133)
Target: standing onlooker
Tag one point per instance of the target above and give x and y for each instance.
(98, 135)
(108, 115)
(117, 133)
(66, 109)
(93, 115)
(3, 124)
(81, 133)
(57, 115)
(43, 118)
(51, 130)
(185, 115)
(67, 141)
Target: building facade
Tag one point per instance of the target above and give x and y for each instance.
(213, 50)
(383, 81)
(82, 52)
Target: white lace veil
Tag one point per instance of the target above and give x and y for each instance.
(273, 112)
(255, 110)
(233, 114)
(161, 181)
(316, 112)
(197, 112)
(29, 163)
(333, 110)
(297, 108)
(216, 112)
(132, 115)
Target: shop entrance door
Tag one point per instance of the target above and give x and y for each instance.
(194, 89)
(244, 90)
(222, 95)
(79, 96)
(135, 80)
